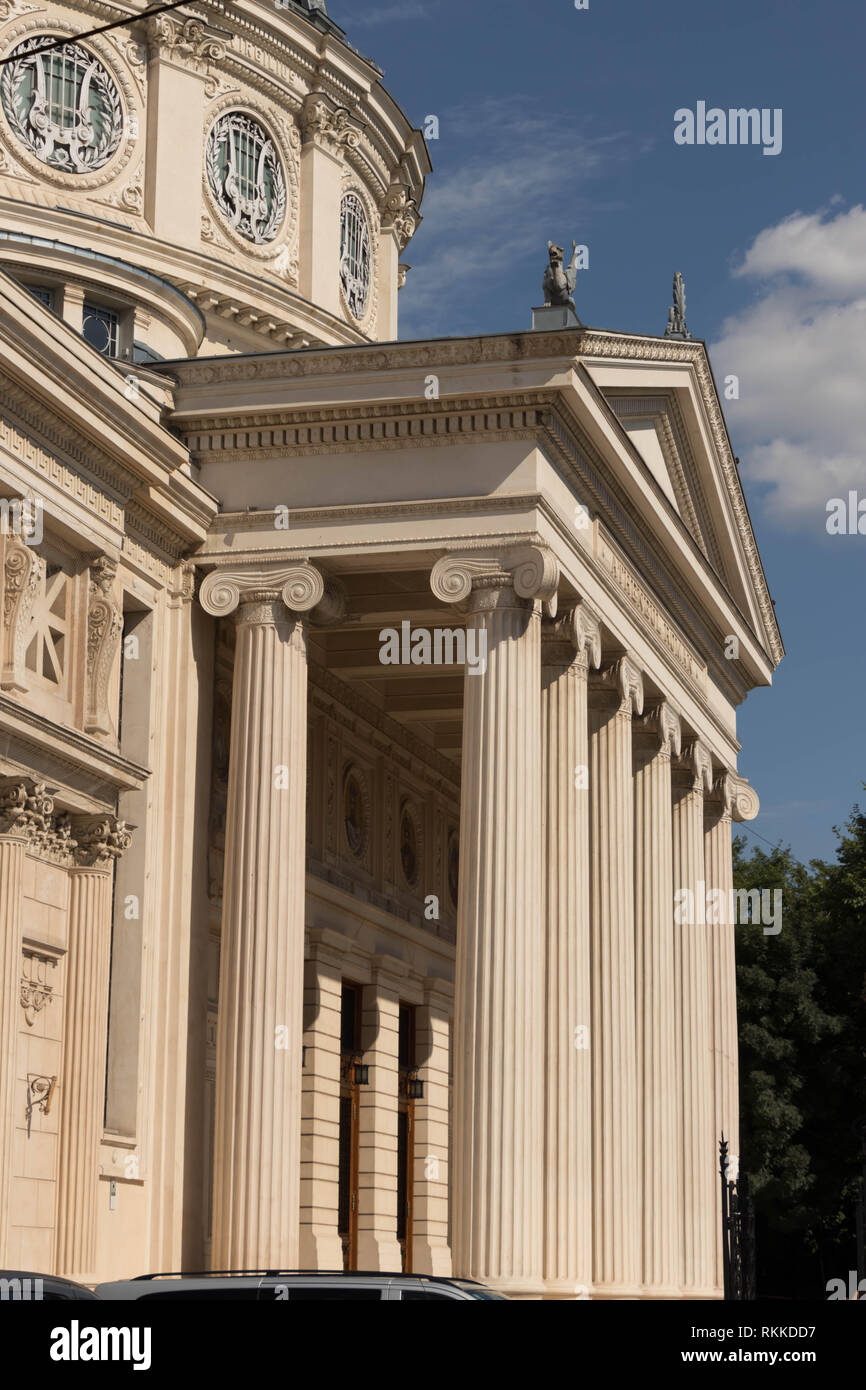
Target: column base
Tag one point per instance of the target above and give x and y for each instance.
(615, 1291)
(567, 1290)
(377, 1253)
(431, 1259)
(512, 1288)
(320, 1250)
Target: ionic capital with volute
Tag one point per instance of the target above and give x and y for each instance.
(659, 730)
(471, 582)
(693, 769)
(262, 593)
(619, 684)
(572, 638)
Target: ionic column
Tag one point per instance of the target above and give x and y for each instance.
(21, 802)
(656, 736)
(98, 842)
(257, 1148)
(614, 693)
(378, 1247)
(499, 1036)
(731, 798)
(430, 1251)
(568, 647)
(320, 1244)
(700, 1207)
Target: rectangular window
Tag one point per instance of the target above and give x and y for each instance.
(43, 293)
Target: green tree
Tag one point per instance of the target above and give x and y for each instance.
(836, 1110)
(785, 1025)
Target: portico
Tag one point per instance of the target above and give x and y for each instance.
(592, 761)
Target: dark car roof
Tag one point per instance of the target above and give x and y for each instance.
(54, 1281)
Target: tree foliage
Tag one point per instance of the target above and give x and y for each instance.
(801, 998)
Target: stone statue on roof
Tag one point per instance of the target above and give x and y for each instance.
(558, 283)
(677, 313)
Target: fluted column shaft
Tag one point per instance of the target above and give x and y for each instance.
(498, 1055)
(693, 1014)
(258, 1083)
(659, 1102)
(723, 985)
(97, 841)
(12, 848)
(568, 647)
(616, 1240)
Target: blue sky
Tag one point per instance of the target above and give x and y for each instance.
(558, 123)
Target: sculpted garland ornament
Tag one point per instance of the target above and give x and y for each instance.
(62, 105)
(245, 176)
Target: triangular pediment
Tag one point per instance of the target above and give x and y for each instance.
(664, 399)
(655, 426)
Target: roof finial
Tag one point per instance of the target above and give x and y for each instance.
(677, 313)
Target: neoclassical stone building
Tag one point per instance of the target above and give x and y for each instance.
(308, 957)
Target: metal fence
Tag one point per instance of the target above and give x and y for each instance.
(738, 1231)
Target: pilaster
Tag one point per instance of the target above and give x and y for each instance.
(24, 808)
(178, 56)
(99, 840)
(378, 1247)
(430, 1251)
(320, 1246)
(326, 129)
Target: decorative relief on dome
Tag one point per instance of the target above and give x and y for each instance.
(328, 125)
(188, 41)
(246, 177)
(63, 105)
(399, 212)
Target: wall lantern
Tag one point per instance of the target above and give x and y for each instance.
(414, 1087)
(360, 1071)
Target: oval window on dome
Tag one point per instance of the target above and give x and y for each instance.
(246, 177)
(62, 104)
(355, 259)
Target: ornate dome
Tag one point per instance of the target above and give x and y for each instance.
(203, 181)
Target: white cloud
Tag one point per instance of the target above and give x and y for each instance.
(799, 350)
(389, 14)
(517, 173)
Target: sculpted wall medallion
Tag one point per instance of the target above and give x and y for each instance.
(409, 844)
(245, 177)
(356, 812)
(63, 105)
